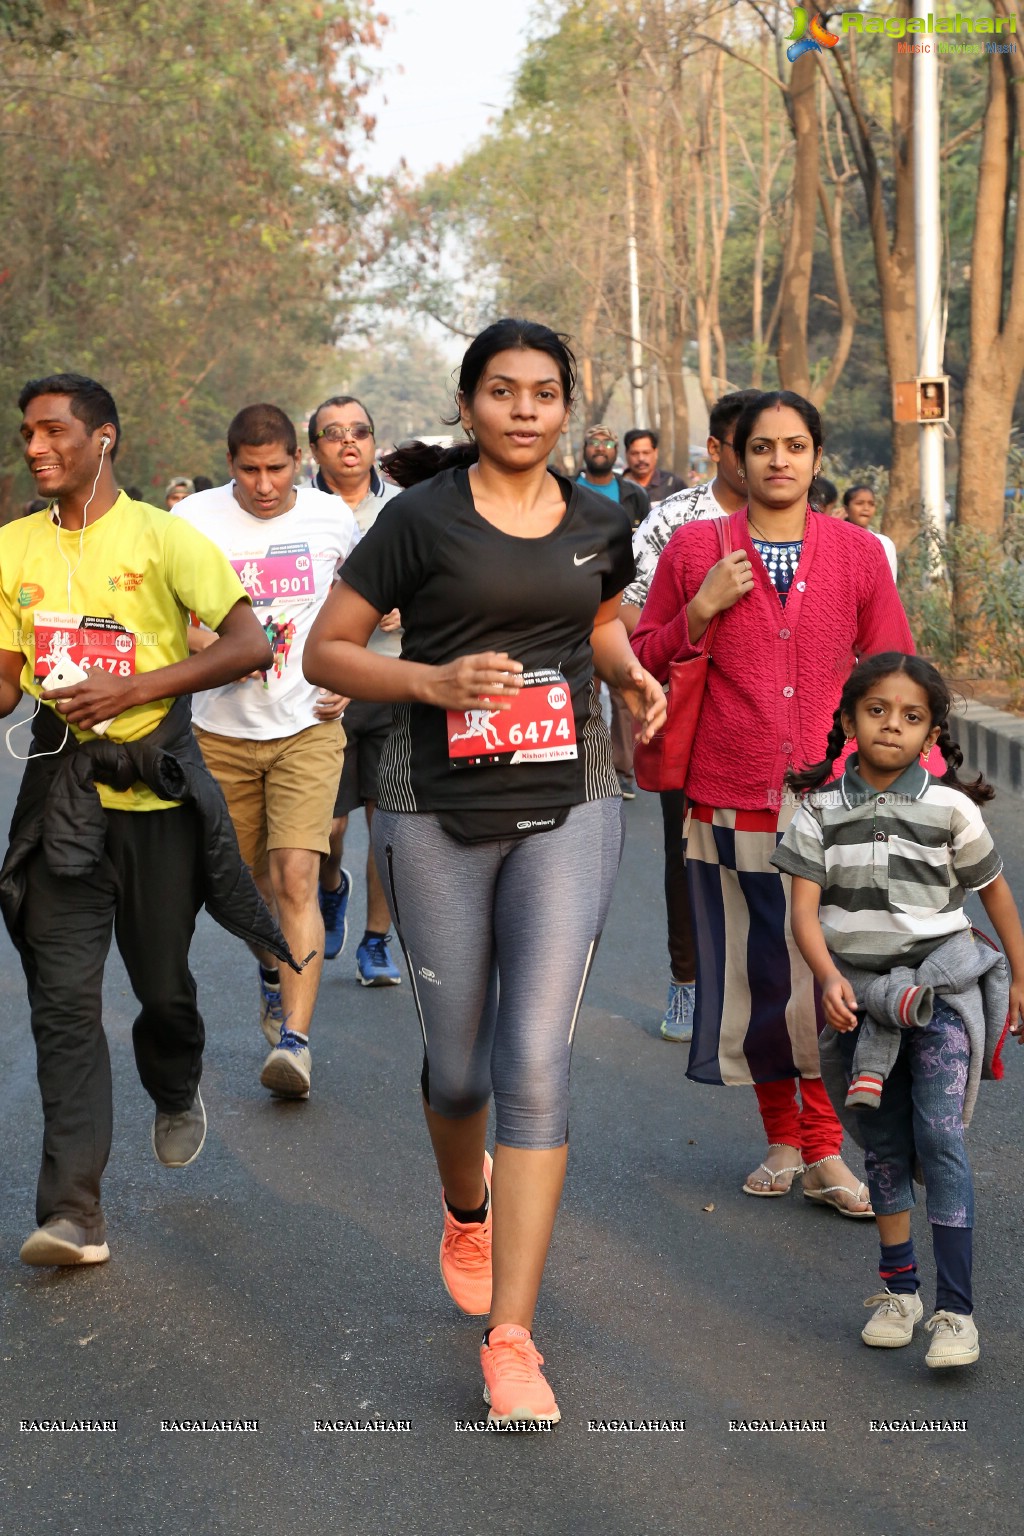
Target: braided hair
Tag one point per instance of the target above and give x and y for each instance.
(940, 702)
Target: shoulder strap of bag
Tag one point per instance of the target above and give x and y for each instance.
(723, 527)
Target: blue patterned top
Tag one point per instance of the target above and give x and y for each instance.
(780, 561)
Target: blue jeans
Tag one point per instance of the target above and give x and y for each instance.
(525, 911)
(921, 1117)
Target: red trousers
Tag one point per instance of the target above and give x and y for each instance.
(808, 1123)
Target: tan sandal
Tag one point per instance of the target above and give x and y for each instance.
(771, 1193)
(832, 1195)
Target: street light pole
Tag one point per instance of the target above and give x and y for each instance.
(636, 373)
(927, 252)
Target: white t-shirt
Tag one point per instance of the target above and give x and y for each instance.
(287, 565)
(890, 550)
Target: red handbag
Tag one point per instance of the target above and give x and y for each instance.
(664, 762)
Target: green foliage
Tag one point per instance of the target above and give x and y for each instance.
(533, 218)
(991, 571)
(172, 197)
(405, 383)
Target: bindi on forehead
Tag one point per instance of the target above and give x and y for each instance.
(914, 699)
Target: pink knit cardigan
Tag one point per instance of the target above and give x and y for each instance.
(777, 672)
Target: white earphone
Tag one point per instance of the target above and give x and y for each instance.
(105, 442)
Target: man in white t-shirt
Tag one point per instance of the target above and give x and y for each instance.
(273, 741)
(341, 438)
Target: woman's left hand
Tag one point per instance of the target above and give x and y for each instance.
(646, 699)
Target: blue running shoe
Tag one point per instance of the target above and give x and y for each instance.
(374, 965)
(678, 1021)
(334, 908)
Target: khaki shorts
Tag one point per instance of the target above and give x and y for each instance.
(280, 793)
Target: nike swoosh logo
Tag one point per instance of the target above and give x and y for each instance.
(577, 561)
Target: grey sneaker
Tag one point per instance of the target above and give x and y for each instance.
(678, 1021)
(178, 1139)
(954, 1339)
(892, 1324)
(61, 1241)
(287, 1069)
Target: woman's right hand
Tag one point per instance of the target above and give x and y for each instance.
(490, 680)
(725, 583)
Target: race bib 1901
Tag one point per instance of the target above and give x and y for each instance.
(285, 571)
(91, 642)
(539, 728)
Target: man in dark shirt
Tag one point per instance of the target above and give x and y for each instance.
(600, 446)
(641, 445)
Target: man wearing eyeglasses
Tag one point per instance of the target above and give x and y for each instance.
(725, 494)
(342, 441)
(600, 446)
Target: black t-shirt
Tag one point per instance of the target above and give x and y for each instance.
(464, 586)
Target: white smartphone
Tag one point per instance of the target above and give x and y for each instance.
(66, 674)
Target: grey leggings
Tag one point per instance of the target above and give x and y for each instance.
(500, 938)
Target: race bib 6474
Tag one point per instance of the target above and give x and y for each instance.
(539, 728)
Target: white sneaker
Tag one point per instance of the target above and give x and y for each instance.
(954, 1340)
(287, 1069)
(891, 1325)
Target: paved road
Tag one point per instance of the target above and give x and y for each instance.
(291, 1275)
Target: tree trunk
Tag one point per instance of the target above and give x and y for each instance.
(997, 316)
(764, 209)
(833, 216)
(793, 361)
(894, 258)
(680, 408)
(997, 352)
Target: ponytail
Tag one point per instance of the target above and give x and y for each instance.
(979, 790)
(803, 781)
(418, 461)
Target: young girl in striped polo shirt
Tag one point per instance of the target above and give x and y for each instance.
(882, 861)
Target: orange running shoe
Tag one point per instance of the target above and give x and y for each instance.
(514, 1384)
(466, 1256)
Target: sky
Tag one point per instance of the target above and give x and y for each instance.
(447, 68)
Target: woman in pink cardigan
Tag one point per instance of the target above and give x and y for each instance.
(802, 597)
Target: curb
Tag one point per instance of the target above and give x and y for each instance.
(992, 742)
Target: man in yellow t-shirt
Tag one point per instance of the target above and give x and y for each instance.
(99, 588)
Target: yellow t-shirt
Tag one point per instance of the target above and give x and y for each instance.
(140, 573)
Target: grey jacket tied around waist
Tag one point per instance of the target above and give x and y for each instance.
(59, 810)
(972, 977)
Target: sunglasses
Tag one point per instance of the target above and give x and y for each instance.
(601, 442)
(337, 434)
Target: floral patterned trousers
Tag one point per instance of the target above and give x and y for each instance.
(921, 1117)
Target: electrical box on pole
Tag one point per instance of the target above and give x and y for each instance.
(921, 400)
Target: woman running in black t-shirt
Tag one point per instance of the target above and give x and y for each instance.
(498, 829)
